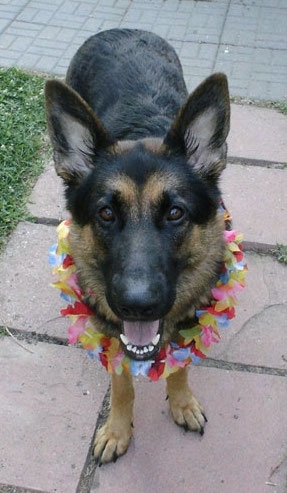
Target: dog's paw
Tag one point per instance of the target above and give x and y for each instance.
(188, 412)
(111, 443)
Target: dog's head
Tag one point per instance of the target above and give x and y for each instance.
(145, 236)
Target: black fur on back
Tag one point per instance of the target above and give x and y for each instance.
(145, 87)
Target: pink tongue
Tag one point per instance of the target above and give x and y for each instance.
(141, 333)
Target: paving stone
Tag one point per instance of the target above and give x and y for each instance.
(52, 32)
(257, 335)
(6, 16)
(50, 400)
(6, 40)
(244, 441)
(22, 28)
(12, 57)
(44, 48)
(256, 198)
(22, 42)
(27, 300)
(45, 64)
(29, 59)
(28, 14)
(47, 198)
(257, 133)
(203, 23)
(231, 58)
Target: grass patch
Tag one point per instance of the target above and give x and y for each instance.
(281, 106)
(280, 252)
(22, 144)
(261, 103)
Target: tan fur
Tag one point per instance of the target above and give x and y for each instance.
(87, 251)
(125, 187)
(154, 188)
(185, 408)
(153, 144)
(191, 286)
(112, 440)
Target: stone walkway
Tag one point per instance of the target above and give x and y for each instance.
(52, 394)
(246, 39)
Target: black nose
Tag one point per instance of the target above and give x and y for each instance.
(137, 300)
(137, 310)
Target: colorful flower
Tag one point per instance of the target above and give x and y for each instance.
(140, 367)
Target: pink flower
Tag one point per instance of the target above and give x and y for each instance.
(208, 336)
(230, 236)
(77, 329)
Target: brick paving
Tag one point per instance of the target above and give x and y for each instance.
(52, 394)
(245, 39)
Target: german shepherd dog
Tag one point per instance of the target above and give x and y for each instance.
(141, 161)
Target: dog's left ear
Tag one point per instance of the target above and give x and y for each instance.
(201, 128)
(75, 132)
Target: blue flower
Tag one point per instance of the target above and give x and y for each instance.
(140, 367)
(66, 297)
(195, 359)
(54, 259)
(224, 276)
(200, 312)
(181, 354)
(222, 321)
(95, 353)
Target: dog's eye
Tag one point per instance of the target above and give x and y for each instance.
(107, 214)
(175, 214)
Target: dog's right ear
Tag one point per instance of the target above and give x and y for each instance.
(75, 132)
(201, 128)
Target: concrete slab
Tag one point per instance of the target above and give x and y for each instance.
(257, 133)
(43, 37)
(266, 289)
(27, 300)
(49, 404)
(257, 336)
(47, 198)
(256, 198)
(243, 448)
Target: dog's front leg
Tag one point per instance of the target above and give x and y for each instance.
(112, 440)
(185, 408)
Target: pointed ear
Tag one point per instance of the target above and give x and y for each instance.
(201, 128)
(75, 132)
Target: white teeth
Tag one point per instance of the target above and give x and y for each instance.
(124, 339)
(140, 350)
(155, 339)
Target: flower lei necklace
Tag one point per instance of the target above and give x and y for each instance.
(193, 343)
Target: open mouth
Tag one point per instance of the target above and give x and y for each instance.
(141, 339)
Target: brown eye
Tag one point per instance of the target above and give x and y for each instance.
(175, 214)
(107, 214)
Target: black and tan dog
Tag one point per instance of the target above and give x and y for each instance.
(141, 161)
